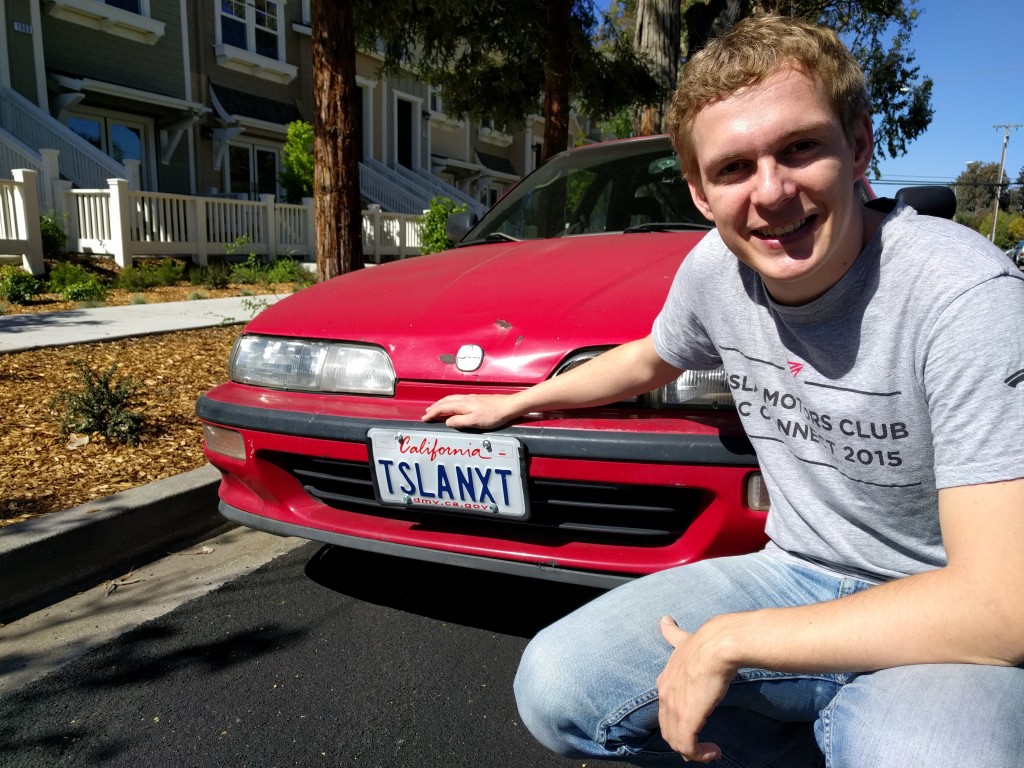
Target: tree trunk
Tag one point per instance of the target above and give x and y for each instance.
(714, 18)
(556, 80)
(337, 208)
(656, 37)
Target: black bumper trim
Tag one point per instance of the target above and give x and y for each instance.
(509, 567)
(729, 450)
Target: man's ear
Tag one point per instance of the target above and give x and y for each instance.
(700, 199)
(863, 145)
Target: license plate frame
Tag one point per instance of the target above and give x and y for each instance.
(482, 475)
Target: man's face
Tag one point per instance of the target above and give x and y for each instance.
(777, 178)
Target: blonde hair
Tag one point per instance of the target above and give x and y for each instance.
(753, 50)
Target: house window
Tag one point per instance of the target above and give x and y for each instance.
(132, 6)
(122, 137)
(252, 170)
(129, 19)
(251, 25)
(435, 99)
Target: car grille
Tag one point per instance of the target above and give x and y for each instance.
(560, 510)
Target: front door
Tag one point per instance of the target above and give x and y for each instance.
(252, 171)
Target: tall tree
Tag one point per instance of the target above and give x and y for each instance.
(976, 188)
(656, 40)
(506, 59)
(337, 208)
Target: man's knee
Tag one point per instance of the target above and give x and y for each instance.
(544, 691)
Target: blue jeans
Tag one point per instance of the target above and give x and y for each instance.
(586, 685)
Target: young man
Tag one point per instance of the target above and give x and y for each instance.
(883, 625)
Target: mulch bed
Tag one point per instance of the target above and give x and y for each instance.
(43, 471)
(46, 472)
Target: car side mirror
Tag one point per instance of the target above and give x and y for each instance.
(929, 201)
(457, 225)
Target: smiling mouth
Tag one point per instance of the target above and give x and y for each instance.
(783, 230)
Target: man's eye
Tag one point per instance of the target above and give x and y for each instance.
(730, 169)
(803, 146)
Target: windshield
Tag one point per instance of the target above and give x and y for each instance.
(614, 187)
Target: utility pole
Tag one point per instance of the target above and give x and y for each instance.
(999, 179)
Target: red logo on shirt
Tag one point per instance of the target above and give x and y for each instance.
(795, 367)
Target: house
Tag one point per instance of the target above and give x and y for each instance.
(194, 98)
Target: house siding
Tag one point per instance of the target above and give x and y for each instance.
(19, 47)
(78, 51)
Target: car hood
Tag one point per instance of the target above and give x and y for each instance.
(527, 304)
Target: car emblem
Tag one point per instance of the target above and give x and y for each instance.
(469, 357)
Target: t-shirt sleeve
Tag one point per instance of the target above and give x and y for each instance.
(974, 382)
(680, 335)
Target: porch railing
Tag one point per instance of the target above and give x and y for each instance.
(20, 234)
(81, 162)
(128, 224)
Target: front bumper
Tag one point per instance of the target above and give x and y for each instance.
(610, 498)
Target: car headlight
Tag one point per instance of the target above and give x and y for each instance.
(694, 389)
(311, 366)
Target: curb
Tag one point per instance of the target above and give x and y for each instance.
(51, 557)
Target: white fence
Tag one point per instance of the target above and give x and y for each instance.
(20, 234)
(127, 224)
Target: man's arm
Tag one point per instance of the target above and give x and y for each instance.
(627, 370)
(970, 611)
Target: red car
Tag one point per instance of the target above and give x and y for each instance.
(318, 431)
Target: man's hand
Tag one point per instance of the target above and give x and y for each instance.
(689, 688)
(471, 411)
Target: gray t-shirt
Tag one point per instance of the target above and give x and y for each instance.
(901, 379)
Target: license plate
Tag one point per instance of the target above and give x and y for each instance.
(450, 472)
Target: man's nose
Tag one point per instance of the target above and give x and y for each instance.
(773, 184)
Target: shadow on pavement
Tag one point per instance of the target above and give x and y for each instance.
(510, 605)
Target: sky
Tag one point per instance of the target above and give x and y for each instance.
(973, 50)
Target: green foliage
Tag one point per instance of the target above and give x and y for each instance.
(217, 274)
(975, 189)
(18, 286)
(67, 273)
(491, 59)
(169, 272)
(432, 236)
(1015, 226)
(55, 240)
(288, 270)
(136, 278)
(102, 406)
(89, 289)
(248, 272)
(297, 162)
(145, 275)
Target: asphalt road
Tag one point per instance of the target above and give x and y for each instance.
(322, 657)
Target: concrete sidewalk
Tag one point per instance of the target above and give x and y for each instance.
(50, 557)
(78, 326)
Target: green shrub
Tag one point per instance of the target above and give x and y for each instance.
(297, 162)
(103, 405)
(137, 278)
(89, 289)
(215, 275)
(18, 286)
(67, 273)
(249, 271)
(288, 270)
(55, 240)
(432, 235)
(143, 276)
(168, 272)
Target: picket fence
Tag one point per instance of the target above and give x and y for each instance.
(128, 224)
